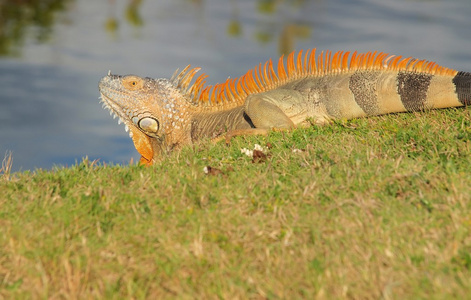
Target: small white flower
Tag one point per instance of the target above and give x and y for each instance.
(247, 152)
(260, 148)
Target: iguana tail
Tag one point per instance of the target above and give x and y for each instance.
(381, 92)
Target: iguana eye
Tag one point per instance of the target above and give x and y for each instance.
(132, 82)
(150, 125)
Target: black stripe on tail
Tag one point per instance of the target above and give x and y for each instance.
(462, 82)
(413, 87)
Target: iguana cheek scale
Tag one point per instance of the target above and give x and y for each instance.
(164, 114)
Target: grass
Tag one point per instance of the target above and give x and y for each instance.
(374, 208)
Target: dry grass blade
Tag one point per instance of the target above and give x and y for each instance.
(7, 162)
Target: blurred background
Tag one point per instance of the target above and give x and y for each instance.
(53, 53)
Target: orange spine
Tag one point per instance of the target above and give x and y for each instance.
(264, 78)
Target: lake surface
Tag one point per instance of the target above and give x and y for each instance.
(51, 60)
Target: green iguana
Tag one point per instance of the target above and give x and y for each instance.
(164, 114)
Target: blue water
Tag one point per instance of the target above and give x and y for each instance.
(49, 108)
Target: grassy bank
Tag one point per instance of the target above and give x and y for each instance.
(364, 209)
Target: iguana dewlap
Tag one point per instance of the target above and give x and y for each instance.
(164, 114)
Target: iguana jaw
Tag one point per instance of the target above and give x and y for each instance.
(141, 141)
(132, 109)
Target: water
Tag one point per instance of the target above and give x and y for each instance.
(51, 63)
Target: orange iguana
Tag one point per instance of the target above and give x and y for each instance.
(164, 114)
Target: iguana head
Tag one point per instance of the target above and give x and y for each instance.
(154, 111)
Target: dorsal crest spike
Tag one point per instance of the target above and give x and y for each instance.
(354, 61)
(328, 61)
(345, 60)
(266, 80)
(394, 62)
(271, 72)
(257, 77)
(362, 60)
(371, 59)
(403, 63)
(176, 77)
(184, 82)
(312, 62)
(419, 65)
(290, 65)
(196, 87)
(263, 77)
(220, 92)
(239, 88)
(251, 83)
(379, 61)
(281, 69)
(306, 63)
(336, 61)
(320, 63)
(299, 63)
(411, 64)
(230, 91)
(243, 84)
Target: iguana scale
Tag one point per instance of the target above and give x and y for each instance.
(164, 114)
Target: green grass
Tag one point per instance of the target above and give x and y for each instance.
(374, 208)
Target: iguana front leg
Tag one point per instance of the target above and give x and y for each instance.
(277, 109)
(272, 109)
